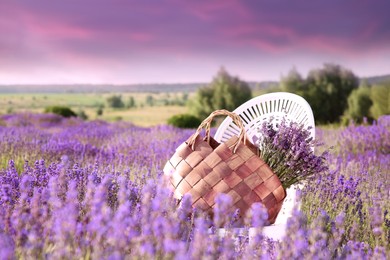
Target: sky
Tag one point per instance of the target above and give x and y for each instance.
(185, 41)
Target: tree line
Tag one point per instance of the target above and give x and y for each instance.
(337, 95)
(334, 93)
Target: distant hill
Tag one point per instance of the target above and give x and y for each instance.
(376, 79)
(102, 88)
(99, 88)
(152, 88)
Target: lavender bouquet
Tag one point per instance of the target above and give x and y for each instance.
(288, 149)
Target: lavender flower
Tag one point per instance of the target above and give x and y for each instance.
(73, 189)
(289, 152)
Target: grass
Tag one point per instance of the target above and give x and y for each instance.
(145, 116)
(142, 115)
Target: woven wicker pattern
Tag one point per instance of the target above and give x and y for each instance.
(205, 168)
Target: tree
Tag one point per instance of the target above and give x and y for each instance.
(131, 102)
(359, 104)
(294, 82)
(224, 92)
(326, 90)
(380, 95)
(329, 89)
(184, 97)
(99, 110)
(115, 101)
(202, 105)
(149, 100)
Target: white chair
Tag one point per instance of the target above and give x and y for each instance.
(253, 113)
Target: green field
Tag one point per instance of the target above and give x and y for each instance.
(164, 105)
(143, 114)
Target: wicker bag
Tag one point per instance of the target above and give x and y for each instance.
(204, 168)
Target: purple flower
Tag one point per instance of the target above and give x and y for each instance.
(289, 151)
(7, 247)
(73, 189)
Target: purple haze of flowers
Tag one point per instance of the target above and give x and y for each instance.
(93, 190)
(360, 139)
(7, 247)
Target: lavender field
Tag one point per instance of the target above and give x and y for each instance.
(71, 189)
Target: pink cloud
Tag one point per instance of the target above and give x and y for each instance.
(279, 39)
(48, 28)
(123, 34)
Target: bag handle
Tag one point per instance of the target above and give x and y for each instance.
(207, 125)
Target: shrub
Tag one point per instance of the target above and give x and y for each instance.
(184, 121)
(115, 101)
(81, 114)
(118, 118)
(99, 111)
(61, 110)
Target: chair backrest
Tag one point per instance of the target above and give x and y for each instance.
(259, 109)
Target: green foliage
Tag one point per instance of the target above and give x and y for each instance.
(184, 97)
(380, 96)
(176, 100)
(61, 110)
(131, 102)
(149, 100)
(81, 114)
(99, 111)
(224, 92)
(202, 105)
(359, 104)
(184, 121)
(165, 102)
(293, 82)
(118, 118)
(115, 101)
(9, 110)
(325, 89)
